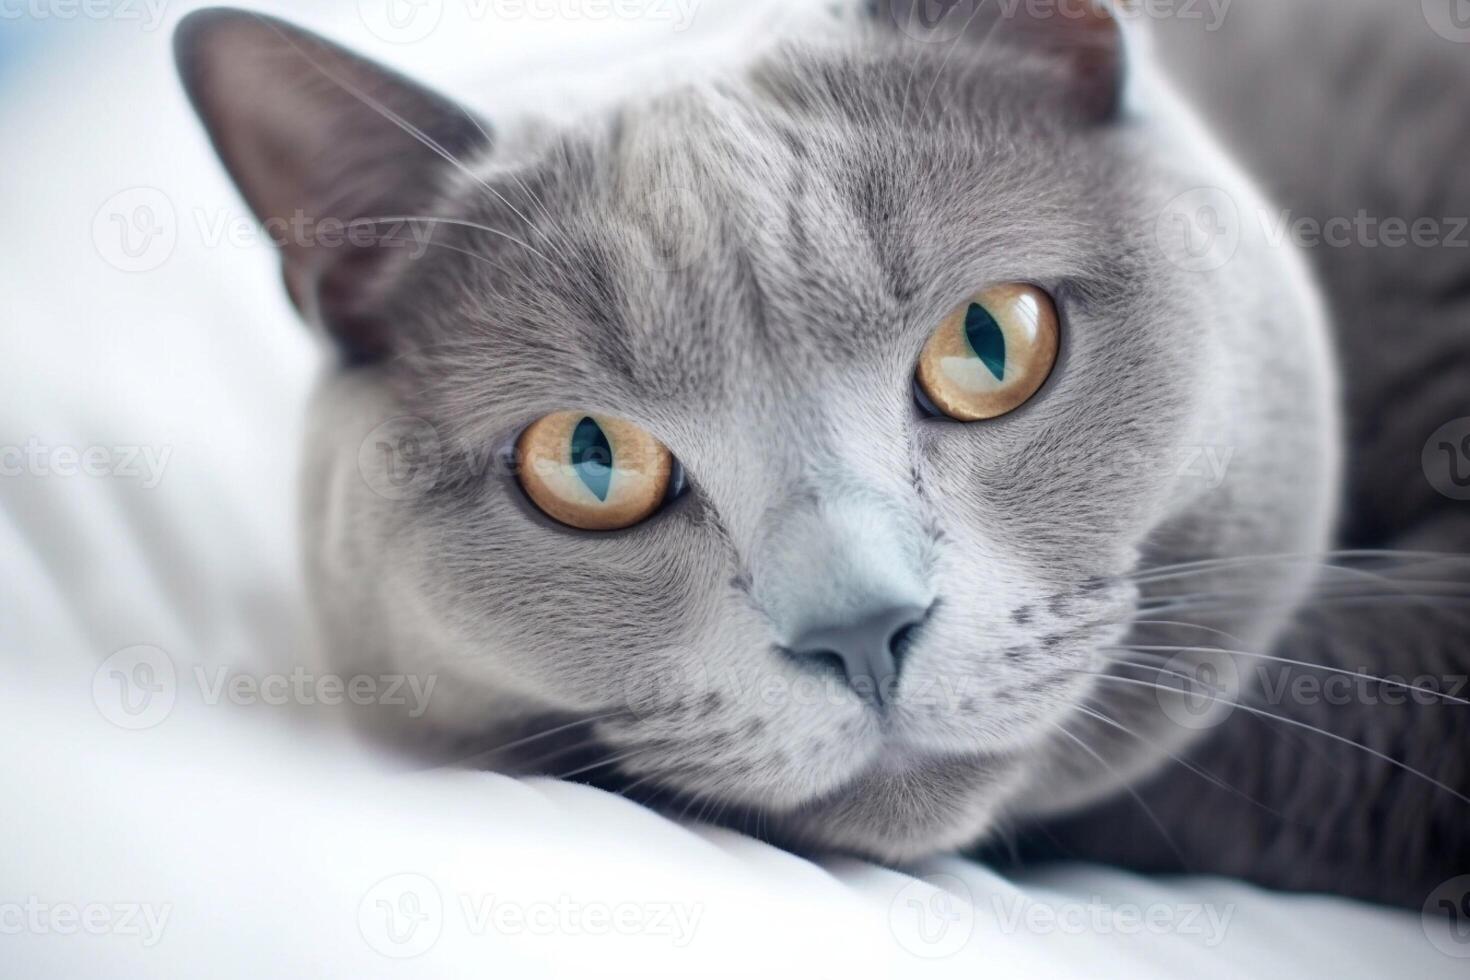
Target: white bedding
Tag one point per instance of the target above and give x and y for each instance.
(230, 842)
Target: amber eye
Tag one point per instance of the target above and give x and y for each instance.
(992, 353)
(593, 472)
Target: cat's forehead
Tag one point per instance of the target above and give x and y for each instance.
(697, 247)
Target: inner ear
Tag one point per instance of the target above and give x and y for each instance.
(321, 142)
(1081, 37)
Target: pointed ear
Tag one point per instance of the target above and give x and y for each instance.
(1082, 36)
(320, 142)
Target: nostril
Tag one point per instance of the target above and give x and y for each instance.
(829, 661)
(902, 640)
(868, 653)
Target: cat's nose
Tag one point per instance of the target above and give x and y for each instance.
(869, 649)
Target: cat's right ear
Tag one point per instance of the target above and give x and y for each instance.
(1081, 39)
(321, 143)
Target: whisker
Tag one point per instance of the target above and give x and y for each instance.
(1183, 625)
(1103, 675)
(1208, 777)
(1148, 811)
(954, 46)
(1206, 604)
(455, 222)
(1294, 663)
(403, 124)
(484, 754)
(1207, 565)
(611, 760)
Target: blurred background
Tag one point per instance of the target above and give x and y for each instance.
(154, 375)
(153, 385)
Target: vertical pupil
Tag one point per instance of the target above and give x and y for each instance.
(986, 339)
(592, 457)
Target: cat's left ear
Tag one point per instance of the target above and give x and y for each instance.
(1081, 38)
(322, 142)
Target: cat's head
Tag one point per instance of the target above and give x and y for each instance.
(806, 426)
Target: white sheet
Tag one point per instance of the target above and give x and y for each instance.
(227, 842)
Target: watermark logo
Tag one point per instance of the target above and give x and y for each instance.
(671, 224)
(401, 21)
(411, 21)
(1446, 459)
(143, 921)
(136, 230)
(1450, 19)
(145, 464)
(402, 916)
(147, 12)
(934, 21)
(402, 459)
(1198, 691)
(136, 687)
(1208, 466)
(489, 915)
(672, 687)
(1446, 918)
(1365, 230)
(1200, 230)
(1204, 922)
(222, 685)
(405, 915)
(1340, 688)
(933, 917)
(944, 21)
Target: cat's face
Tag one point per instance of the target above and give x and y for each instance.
(748, 273)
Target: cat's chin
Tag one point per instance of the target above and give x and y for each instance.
(903, 808)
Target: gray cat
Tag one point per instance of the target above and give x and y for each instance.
(889, 446)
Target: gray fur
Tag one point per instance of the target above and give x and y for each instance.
(839, 195)
(1345, 106)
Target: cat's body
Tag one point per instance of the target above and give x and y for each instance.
(830, 203)
(1344, 109)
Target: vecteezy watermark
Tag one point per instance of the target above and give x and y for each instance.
(149, 13)
(224, 685)
(1366, 230)
(1204, 921)
(411, 21)
(667, 225)
(943, 21)
(404, 915)
(34, 917)
(145, 464)
(1196, 689)
(403, 458)
(1206, 465)
(1450, 19)
(138, 230)
(1199, 688)
(676, 922)
(1199, 230)
(933, 917)
(676, 685)
(1340, 688)
(1446, 918)
(407, 457)
(685, 685)
(1446, 459)
(138, 688)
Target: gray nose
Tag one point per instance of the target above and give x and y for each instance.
(870, 649)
